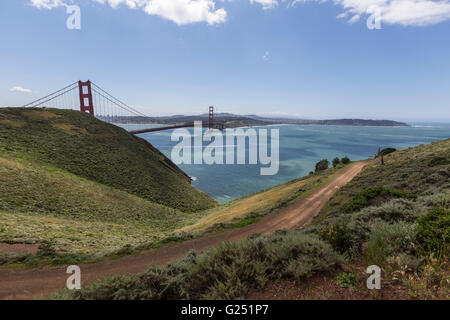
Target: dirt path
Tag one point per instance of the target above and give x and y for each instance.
(26, 284)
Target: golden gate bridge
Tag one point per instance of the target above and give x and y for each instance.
(88, 97)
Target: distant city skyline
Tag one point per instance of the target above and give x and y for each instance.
(309, 59)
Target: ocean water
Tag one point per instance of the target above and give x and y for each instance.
(301, 146)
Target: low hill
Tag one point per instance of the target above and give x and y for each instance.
(104, 153)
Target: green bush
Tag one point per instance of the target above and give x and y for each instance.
(348, 280)
(436, 199)
(434, 231)
(386, 151)
(336, 161)
(363, 199)
(322, 165)
(226, 272)
(339, 236)
(392, 211)
(345, 160)
(438, 161)
(391, 240)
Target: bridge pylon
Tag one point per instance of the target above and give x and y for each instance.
(211, 117)
(86, 106)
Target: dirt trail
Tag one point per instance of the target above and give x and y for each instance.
(26, 284)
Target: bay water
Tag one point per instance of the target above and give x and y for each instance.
(301, 147)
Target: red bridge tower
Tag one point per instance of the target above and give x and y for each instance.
(89, 107)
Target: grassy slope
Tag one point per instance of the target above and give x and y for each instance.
(413, 170)
(43, 204)
(383, 233)
(104, 153)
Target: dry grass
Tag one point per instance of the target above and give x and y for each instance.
(70, 129)
(13, 124)
(40, 115)
(95, 238)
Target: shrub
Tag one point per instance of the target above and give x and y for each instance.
(336, 161)
(345, 160)
(339, 236)
(226, 272)
(392, 211)
(386, 151)
(391, 240)
(438, 161)
(296, 255)
(363, 199)
(436, 199)
(434, 231)
(322, 165)
(348, 280)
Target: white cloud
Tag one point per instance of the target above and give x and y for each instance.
(20, 89)
(266, 4)
(179, 11)
(48, 4)
(186, 11)
(266, 56)
(403, 12)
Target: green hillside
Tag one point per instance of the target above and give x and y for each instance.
(75, 215)
(84, 146)
(394, 215)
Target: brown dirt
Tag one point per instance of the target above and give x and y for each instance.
(19, 248)
(26, 284)
(323, 286)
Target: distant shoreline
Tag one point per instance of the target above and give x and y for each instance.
(234, 121)
(282, 124)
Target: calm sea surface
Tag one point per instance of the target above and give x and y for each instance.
(301, 146)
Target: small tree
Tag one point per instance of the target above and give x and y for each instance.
(322, 165)
(336, 161)
(345, 160)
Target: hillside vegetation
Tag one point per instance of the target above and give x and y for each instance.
(84, 146)
(395, 215)
(68, 185)
(78, 217)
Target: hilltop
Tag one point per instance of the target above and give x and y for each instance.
(86, 147)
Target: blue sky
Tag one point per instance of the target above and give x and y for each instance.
(313, 59)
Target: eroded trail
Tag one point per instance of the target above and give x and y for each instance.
(26, 284)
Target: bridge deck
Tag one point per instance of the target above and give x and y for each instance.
(219, 126)
(184, 125)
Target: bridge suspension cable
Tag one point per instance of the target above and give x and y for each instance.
(89, 97)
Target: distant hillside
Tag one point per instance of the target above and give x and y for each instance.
(229, 120)
(337, 122)
(361, 122)
(232, 121)
(101, 152)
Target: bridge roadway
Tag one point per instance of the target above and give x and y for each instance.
(219, 126)
(184, 125)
